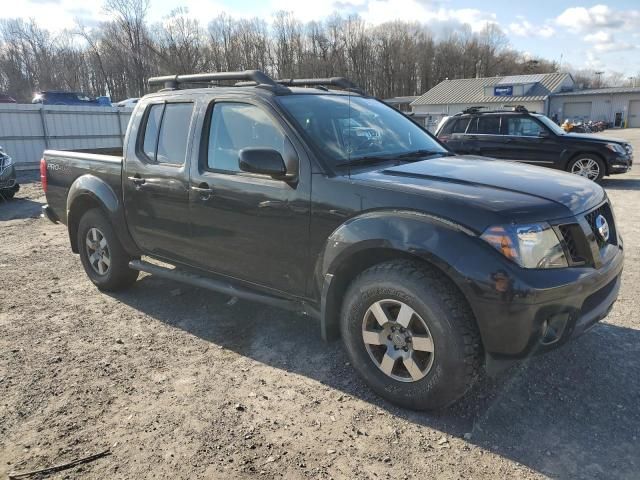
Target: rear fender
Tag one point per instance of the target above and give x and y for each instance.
(89, 191)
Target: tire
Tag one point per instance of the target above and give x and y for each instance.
(109, 268)
(7, 194)
(588, 166)
(441, 317)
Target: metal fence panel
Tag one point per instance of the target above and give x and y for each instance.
(27, 130)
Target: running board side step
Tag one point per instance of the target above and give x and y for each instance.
(220, 286)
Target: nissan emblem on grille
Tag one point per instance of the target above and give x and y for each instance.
(603, 227)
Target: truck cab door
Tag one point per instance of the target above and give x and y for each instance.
(250, 226)
(156, 179)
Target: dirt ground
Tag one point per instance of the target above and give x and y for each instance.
(181, 383)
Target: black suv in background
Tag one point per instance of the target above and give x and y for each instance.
(533, 138)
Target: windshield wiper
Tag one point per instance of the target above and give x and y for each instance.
(369, 160)
(422, 153)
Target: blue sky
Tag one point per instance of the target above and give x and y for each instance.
(592, 35)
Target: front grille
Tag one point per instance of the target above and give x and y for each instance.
(591, 217)
(574, 243)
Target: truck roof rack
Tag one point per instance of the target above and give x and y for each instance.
(253, 77)
(476, 110)
(257, 77)
(468, 110)
(339, 82)
(519, 108)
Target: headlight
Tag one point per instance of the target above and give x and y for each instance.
(616, 147)
(5, 161)
(530, 246)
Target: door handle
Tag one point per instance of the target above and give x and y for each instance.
(137, 180)
(203, 190)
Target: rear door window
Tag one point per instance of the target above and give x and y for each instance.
(489, 125)
(166, 133)
(151, 131)
(174, 133)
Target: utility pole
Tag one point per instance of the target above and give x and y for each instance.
(599, 76)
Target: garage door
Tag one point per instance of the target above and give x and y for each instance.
(577, 111)
(634, 113)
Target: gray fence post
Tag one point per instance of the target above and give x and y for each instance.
(45, 131)
(120, 128)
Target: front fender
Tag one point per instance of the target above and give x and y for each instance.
(88, 191)
(376, 236)
(415, 233)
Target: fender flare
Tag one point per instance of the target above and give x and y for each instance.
(91, 189)
(386, 234)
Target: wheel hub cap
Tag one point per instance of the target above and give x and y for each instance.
(398, 340)
(98, 251)
(586, 167)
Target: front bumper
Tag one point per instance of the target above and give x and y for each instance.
(549, 307)
(619, 163)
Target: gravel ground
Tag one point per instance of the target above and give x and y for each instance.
(181, 383)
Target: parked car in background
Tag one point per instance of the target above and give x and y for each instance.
(431, 266)
(4, 98)
(59, 97)
(535, 139)
(128, 103)
(8, 184)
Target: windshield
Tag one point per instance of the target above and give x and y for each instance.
(551, 125)
(348, 129)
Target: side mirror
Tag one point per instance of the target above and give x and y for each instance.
(544, 133)
(265, 161)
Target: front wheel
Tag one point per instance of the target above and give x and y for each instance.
(411, 335)
(587, 166)
(103, 257)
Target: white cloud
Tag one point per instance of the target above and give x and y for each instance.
(605, 42)
(56, 15)
(523, 28)
(381, 11)
(582, 19)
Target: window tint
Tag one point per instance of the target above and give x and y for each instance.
(346, 128)
(523, 126)
(448, 126)
(174, 133)
(151, 131)
(489, 125)
(235, 126)
(460, 126)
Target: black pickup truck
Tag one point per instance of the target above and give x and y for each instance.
(309, 195)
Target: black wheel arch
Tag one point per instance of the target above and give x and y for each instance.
(342, 262)
(89, 192)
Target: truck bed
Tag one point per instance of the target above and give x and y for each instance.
(64, 167)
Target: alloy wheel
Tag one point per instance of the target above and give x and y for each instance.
(98, 251)
(586, 167)
(398, 340)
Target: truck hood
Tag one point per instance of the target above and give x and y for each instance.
(511, 192)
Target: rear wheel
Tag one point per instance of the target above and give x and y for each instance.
(411, 335)
(587, 166)
(103, 257)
